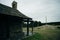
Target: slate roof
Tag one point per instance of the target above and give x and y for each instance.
(10, 11)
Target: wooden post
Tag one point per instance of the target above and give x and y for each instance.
(32, 27)
(27, 27)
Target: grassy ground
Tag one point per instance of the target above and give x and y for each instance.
(36, 36)
(46, 33)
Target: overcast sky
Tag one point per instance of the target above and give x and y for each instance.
(38, 9)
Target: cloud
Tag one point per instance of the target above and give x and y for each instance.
(38, 9)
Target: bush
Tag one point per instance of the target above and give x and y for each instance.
(58, 27)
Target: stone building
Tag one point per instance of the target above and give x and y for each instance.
(11, 21)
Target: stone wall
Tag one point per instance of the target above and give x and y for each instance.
(16, 31)
(10, 28)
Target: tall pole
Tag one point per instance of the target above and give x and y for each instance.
(46, 20)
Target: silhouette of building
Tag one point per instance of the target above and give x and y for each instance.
(11, 21)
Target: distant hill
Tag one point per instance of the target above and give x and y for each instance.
(52, 23)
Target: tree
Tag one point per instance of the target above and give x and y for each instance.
(35, 23)
(39, 23)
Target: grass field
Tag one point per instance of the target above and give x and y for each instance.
(46, 33)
